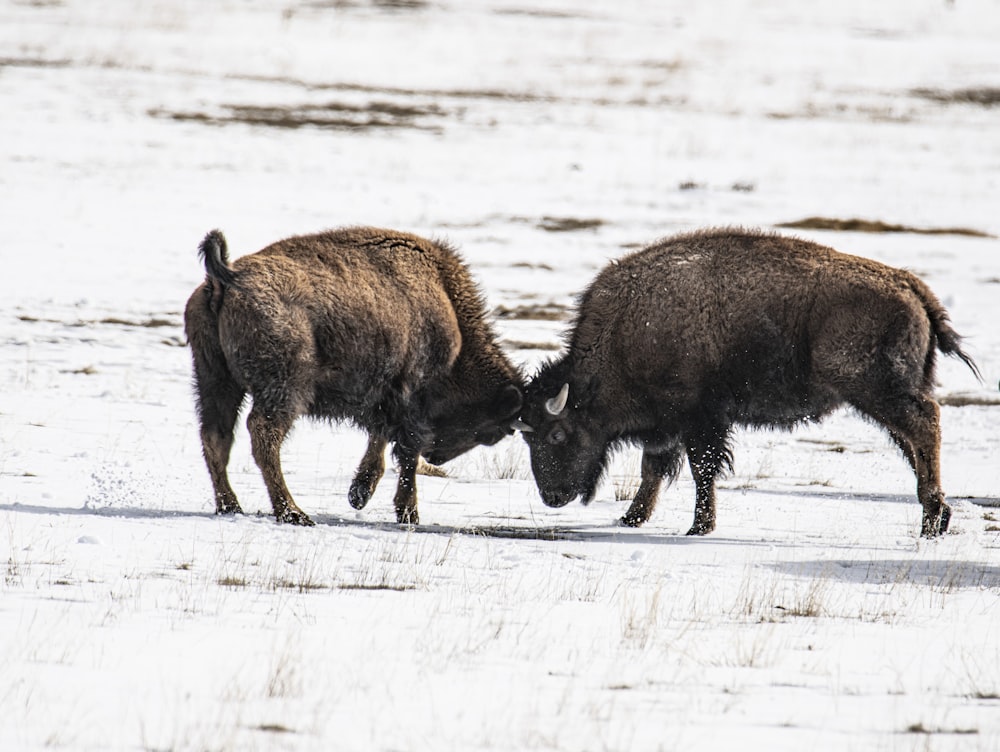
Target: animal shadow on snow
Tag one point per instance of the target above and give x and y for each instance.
(610, 532)
(135, 513)
(949, 574)
(607, 532)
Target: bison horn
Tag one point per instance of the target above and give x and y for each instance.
(520, 425)
(557, 404)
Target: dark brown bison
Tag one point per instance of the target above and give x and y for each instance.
(380, 328)
(675, 344)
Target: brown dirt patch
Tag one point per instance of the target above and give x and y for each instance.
(533, 312)
(331, 115)
(569, 224)
(876, 226)
(984, 96)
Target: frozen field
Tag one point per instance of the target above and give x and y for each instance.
(542, 138)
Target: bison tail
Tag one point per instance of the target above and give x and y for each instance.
(215, 253)
(949, 341)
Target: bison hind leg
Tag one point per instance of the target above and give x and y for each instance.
(219, 402)
(914, 423)
(216, 447)
(369, 473)
(708, 455)
(268, 429)
(405, 500)
(656, 466)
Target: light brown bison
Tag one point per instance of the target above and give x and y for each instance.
(383, 329)
(675, 344)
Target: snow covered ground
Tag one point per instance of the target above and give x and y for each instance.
(544, 139)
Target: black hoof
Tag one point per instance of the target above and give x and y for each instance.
(408, 517)
(628, 521)
(227, 506)
(700, 529)
(358, 496)
(229, 510)
(945, 519)
(295, 517)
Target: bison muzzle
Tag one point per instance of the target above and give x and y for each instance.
(383, 329)
(675, 344)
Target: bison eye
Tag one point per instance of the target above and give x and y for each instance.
(557, 436)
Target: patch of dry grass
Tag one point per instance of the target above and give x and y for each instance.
(875, 226)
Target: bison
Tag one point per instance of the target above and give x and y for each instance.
(380, 328)
(675, 344)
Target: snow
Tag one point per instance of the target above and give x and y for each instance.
(133, 618)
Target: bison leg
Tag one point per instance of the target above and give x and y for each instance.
(219, 402)
(707, 455)
(216, 447)
(267, 432)
(915, 425)
(405, 500)
(655, 467)
(905, 447)
(369, 473)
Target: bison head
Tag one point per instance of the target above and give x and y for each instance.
(568, 449)
(460, 429)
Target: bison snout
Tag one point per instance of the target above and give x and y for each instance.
(439, 457)
(557, 498)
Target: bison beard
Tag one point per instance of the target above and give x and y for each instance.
(676, 344)
(380, 328)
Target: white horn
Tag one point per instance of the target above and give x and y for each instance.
(557, 404)
(520, 425)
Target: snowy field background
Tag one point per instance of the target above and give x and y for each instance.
(543, 138)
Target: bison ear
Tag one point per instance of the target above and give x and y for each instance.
(507, 403)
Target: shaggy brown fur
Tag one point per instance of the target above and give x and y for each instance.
(381, 328)
(675, 344)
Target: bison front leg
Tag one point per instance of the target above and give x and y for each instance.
(369, 473)
(266, 436)
(405, 500)
(655, 467)
(706, 458)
